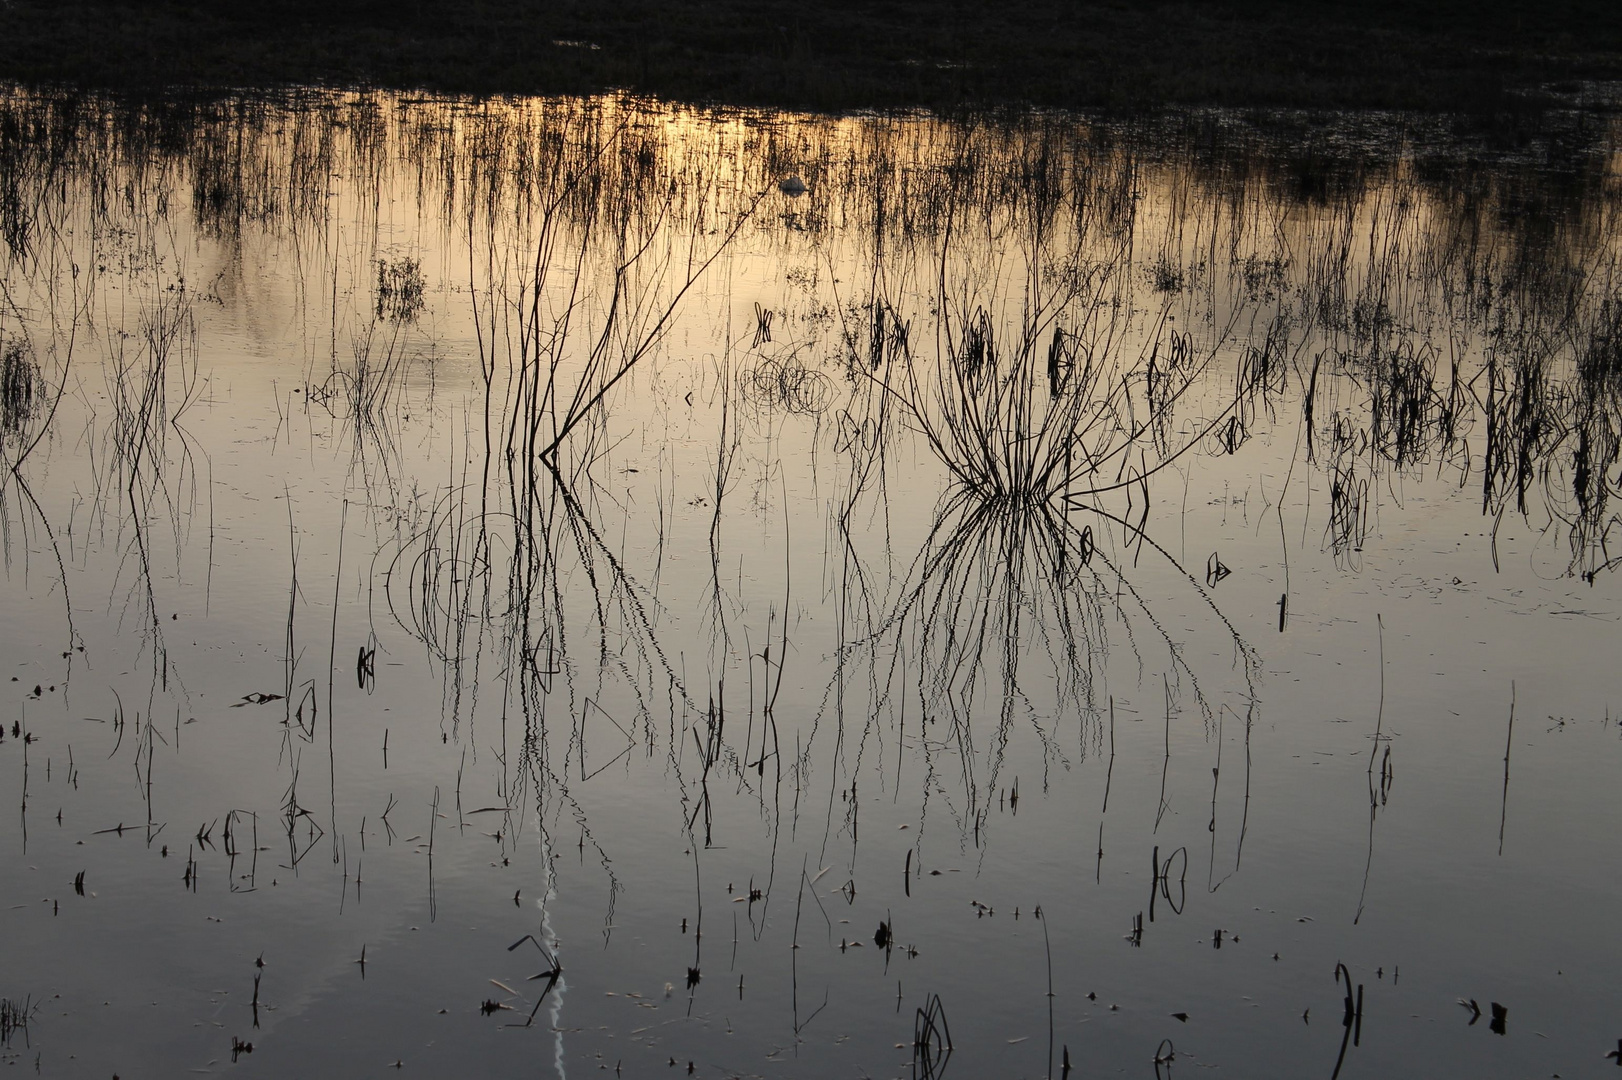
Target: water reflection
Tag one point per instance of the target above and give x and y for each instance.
(681, 524)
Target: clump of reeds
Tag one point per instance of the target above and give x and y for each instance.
(152, 385)
(1348, 526)
(1408, 415)
(16, 217)
(400, 287)
(1263, 277)
(22, 389)
(1599, 365)
(1164, 275)
(362, 392)
(14, 1018)
(1596, 428)
(931, 1039)
(1045, 431)
(1054, 428)
(1523, 423)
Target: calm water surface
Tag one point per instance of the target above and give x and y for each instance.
(1046, 592)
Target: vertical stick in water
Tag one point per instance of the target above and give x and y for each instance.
(1379, 717)
(433, 903)
(1109, 771)
(332, 664)
(1374, 806)
(1048, 944)
(208, 581)
(1503, 806)
(289, 662)
(901, 735)
(1165, 766)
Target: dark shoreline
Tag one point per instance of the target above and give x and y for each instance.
(1485, 58)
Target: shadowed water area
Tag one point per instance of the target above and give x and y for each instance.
(525, 585)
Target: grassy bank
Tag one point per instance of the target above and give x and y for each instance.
(840, 54)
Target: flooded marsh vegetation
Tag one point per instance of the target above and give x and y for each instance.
(439, 530)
